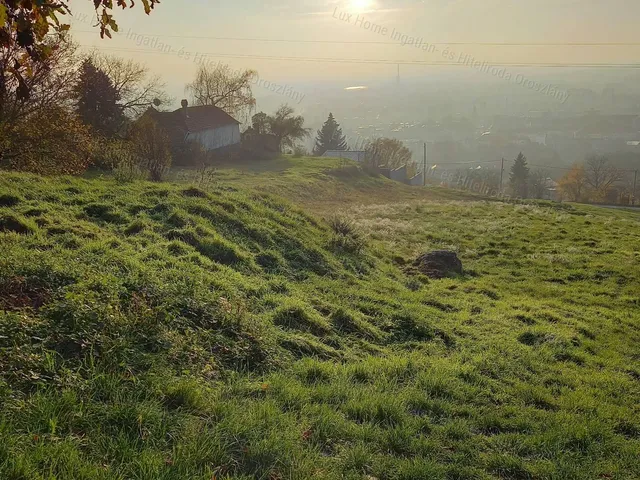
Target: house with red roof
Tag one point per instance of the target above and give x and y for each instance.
(210, 126)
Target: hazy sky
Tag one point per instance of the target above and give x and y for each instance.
(159, 39)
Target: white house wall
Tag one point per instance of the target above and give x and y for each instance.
(217, 137)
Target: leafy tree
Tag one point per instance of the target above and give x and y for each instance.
(97, 100)
(573, 184)
(519, 176)
(329, 137)
(601, 176)
(221, 87)
(27, 27)
(151, 144)
(260, 123)
(387, 151)
(287, 127)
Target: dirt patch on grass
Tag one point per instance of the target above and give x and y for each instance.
(19, 292)
(438, 264)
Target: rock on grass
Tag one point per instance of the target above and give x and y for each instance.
(438, 264)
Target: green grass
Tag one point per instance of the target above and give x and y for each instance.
(199, 331)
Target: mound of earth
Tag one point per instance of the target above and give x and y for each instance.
(438, 264)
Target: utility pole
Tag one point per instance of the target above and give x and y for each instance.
(424, 166)
(635, 181)
(501, 177)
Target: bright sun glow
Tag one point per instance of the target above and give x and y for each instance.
(360, 5)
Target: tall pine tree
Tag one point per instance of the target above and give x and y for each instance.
(329, 137)
(96, 100)
(519, 176)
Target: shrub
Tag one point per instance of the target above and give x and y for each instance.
(205, 176)
(300, 151)
(50, 142)
(342, 226)
(347, 237)
(189, 154)
(113, 154)
(128, 172)
(151, 144)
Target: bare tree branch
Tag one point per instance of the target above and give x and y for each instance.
(221, 87)
(136, 89)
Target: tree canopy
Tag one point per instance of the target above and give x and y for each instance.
(260, 123)
(287, 127)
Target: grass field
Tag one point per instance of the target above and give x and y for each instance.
(220, 328)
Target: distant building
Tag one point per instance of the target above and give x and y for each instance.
(210, 126)
(355, 155)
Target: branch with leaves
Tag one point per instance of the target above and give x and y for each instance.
(26, 27)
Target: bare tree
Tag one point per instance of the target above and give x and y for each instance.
(136, 88)
(538, 183)
(387, 151)
(601, 176)
(224, 88)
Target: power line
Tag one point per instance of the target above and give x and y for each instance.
(479, 65)
(398, 43)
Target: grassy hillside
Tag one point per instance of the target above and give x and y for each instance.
(181, 331)
(320, 184)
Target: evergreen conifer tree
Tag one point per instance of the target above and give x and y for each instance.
(329, 137)
(96, 100)
(519, 176)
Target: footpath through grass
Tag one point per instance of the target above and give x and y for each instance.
(171, 331)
